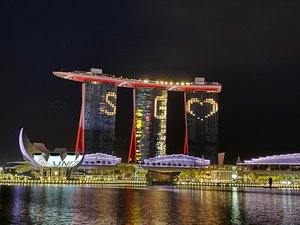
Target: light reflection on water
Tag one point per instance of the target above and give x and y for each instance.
(148, 205)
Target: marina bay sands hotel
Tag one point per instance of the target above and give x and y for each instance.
(96, 132)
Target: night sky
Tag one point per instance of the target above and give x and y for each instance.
(251, 47)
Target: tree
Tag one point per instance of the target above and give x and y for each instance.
(24, 168)
(126, 170)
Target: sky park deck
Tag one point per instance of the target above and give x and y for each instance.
(96, 75)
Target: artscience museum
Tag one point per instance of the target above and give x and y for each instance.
(59, 162)
(40, 157)
(55, 160)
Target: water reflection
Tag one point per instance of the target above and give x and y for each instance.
(149, 205)
(235, 208)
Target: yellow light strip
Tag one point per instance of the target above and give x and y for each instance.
(210, 101)
(110, 103)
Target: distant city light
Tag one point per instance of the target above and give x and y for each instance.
(234, 176)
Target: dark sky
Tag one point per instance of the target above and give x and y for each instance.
(251, 47)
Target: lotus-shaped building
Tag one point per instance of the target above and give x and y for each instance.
(39, 156)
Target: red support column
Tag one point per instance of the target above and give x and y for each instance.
(79, 148)
(132, 147)
(186, 139)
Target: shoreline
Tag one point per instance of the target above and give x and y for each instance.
(121, 183)
(67, 182)
(239, 185)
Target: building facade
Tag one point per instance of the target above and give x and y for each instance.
(143, 123)
(159, 124)
(150, 122)
(99, 117)
(202, 124)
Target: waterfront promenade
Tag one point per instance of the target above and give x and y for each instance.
(29, 182)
